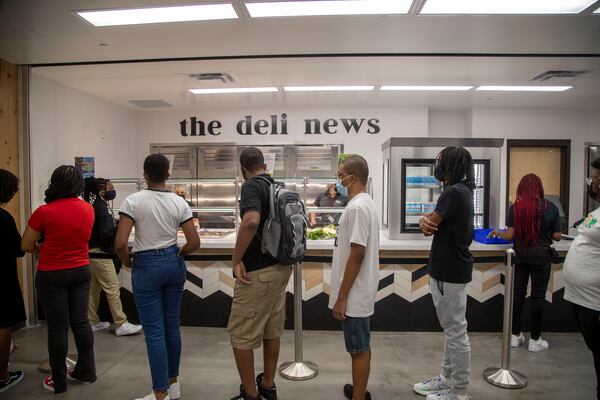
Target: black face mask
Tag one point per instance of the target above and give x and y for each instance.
(438, 173)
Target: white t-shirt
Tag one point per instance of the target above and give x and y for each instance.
(157, 215)
(359, 224)
(581, 269)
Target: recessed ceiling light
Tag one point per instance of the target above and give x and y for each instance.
(235, 90)
(427, 88)
(505, 6)
(337, 7)
(326, 88)
(525, 88)
(134, 16)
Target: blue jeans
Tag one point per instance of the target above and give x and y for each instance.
(157, 280)
(357, 334)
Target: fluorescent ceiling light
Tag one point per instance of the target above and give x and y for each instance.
(597, 11)
(505, 6)
(235, 90)
(525, 88)
(134, 16)
(336, 7)
(326, 88)
(427, 88)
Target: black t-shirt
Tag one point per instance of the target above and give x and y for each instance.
(255, 197)
(450, 259)
(549, 223)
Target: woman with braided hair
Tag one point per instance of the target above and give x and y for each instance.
(533, 222)
(59, 231)
(98, 192)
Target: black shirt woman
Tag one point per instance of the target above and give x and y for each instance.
(13, 310)
(533, 222)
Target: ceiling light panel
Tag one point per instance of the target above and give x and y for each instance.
(326, 88)
(235, 90)
(426, 88)
(525, 88)
(134, 16)
(337, 7)
(505, 6)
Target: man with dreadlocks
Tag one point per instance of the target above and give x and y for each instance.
(532, 222)
(450, 268)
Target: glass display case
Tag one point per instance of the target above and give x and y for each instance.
(411, 190)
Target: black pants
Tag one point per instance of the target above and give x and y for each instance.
(589, 325)
(64, 296)
(540, 275)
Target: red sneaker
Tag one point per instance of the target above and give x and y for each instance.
(48, 383)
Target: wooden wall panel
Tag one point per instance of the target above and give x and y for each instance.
(9, 130)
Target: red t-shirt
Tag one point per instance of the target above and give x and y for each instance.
(66, 226)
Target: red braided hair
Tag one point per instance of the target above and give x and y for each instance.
(528, 210)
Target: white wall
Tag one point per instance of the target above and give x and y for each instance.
(66, 123)
(163, 127)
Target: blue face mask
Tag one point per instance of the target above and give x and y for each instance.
(438, 173)
(341, 189)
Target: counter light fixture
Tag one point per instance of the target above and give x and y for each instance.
(134, 16)
(235, 90)
(525, 88)
(505, 6)
(337, 7)
(427, 88)
(326, 88)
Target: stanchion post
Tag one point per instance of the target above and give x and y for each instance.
(298, 370)
(504, 377)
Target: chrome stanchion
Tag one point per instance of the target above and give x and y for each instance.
(298, 370)
(504, 377)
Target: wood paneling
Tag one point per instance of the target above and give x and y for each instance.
(9, 126)
(9, 131)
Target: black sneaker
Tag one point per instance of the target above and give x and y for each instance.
(348, 392)
(266, 393)
(244, 396)
(13, 379)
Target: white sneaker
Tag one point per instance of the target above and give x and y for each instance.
(434, 385)
(127, 329)
(151, 396)
(516, 341)
(538, 345)
(175, 391)
(100, 326)
(447, 395)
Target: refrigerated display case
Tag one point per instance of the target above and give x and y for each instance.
(411, 190)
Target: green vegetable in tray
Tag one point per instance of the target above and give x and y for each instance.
(324, 233)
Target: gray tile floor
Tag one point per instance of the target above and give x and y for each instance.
(208, 370)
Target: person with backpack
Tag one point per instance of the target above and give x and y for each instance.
(258, 308)
(355, 271)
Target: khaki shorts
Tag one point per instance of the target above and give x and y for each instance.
(258, 310)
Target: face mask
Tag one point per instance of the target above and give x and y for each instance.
(438, 173)
(343, 190)
(110, 195)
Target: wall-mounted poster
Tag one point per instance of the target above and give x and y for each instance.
(85, 165)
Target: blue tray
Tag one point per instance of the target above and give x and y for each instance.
(481, 237)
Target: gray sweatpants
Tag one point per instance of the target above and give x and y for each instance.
(450, 300)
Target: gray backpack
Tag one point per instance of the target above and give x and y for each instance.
(284, 232)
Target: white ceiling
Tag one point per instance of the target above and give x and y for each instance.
(170, 81)
(47, 31)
